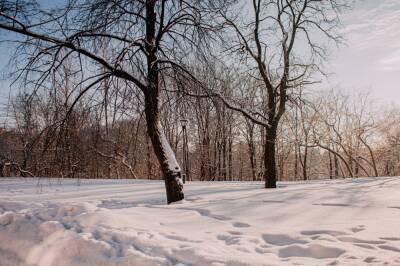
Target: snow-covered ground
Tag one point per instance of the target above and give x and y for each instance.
(125, 222)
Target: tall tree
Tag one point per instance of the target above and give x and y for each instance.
(278, 38)
(143, 40)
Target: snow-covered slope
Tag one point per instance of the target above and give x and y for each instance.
(121, 222)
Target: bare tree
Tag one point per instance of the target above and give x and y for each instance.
(267, 39)
(143, 40)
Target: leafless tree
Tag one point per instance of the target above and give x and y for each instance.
(268, 38)
(143, 40)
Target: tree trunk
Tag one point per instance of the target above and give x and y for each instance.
(262, 161)
(330, 166)
(223, 140)
(148, 158)
(357, 168)
(251, 149)
(371, 153)
(296, 160)
(305, 175)
(224, 159)
(253, 163)
(166, 157)
(336, 161)
(281, 166)
(205, 164)
(269, 158)
(230, 155)
(252, 158)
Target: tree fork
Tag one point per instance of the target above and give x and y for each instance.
(166, 157)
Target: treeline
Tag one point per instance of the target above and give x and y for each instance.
(322, 135)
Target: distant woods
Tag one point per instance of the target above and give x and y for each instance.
(327, 136)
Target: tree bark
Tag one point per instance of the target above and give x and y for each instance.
(230, 154)
(269, 158)
(305, 175)
(330, 166)
(371, 153)
(166, 157)
(336, 161)
(252, 160)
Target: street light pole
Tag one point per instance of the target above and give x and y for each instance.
(184, 150)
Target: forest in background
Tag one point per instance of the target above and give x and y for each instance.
(326, 134)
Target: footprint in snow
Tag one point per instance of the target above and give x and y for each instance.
(323, 232)
(332, 204)
(281, 240)
(243, 249)
(274, 201)
(326, 239)
(236, 233)
(390, 238)
(240, 225)
(390, 248)
(96, 235)
(334, 263)
(180, 238)
(366, 246)
(207, 213)
(194, 199)
(360, 241)
(357, 229)
(313, 251)
(228, 239)
(262, 250)
(371, 260)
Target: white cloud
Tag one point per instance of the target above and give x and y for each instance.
(373, 26)
(392, 62)
(371, 59)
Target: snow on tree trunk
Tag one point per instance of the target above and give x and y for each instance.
(165, 155)
(172, 172)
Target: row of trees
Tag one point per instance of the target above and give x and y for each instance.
(103, 80)
(330, 136)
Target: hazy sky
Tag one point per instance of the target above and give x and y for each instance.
(370, 60)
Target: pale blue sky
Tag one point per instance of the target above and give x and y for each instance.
(370, 60)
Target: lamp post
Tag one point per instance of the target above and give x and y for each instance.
(185, 156)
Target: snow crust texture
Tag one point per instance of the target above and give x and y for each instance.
(127, 222)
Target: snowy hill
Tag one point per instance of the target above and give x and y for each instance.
(127, 222)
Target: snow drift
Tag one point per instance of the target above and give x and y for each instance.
(127, 222)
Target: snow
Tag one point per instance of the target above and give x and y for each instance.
(171, 161)
(127, 222)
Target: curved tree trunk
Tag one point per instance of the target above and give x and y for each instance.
(371, 153)
(335, 153)
(166, 157)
